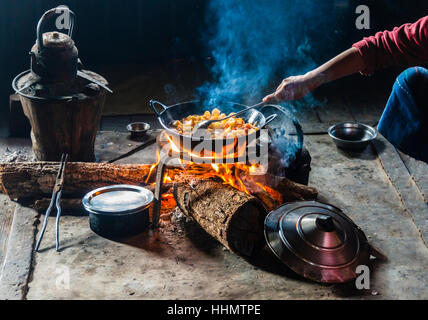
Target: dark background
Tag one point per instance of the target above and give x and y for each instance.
(153, 35)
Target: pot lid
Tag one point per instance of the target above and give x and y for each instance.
(118, 199)
(317, 241)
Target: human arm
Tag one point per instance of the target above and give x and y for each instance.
(404, 45)
(296, 87)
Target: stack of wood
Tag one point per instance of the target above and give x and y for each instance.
(233, 217)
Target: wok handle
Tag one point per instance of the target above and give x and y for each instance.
(153, 104)
(299, 130)
(270, 119)
(300, 135)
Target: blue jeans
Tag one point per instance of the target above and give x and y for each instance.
(404, 121)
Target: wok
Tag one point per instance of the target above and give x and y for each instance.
(168, 114)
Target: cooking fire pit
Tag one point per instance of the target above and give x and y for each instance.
(228, 157)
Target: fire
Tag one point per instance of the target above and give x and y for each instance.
(273, 193)
(153, 167)
(167, 178)
(233, 174)
(230, 174)
(231, 151)
(173, 146)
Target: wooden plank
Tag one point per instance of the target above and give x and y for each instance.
(116, 123)
(419, 173)
(322, 128)
(404, 184)
(6, 215)
(18, 260)
(110, 144)
(368, 112)
(306, 114)
(369, 107)
(335, 111)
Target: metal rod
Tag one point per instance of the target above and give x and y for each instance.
(58, 216)
(45, 222)
(158, 188)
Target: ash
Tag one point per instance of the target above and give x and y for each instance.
(12, 156)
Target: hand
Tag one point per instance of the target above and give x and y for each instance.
(292, 88)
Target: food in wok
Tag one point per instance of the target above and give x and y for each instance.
(228, 128)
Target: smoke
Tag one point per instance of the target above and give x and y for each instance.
(254, 43)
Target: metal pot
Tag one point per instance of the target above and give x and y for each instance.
(119, 210)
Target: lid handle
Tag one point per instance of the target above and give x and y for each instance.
(48, 14)
(326, 223)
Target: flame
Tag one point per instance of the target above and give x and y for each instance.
(261, 186)
(230, 173)
(272, 192)
(153, 167)
(173, 146)
(166, 178)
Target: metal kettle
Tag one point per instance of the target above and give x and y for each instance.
(55, 63)
(54, 56)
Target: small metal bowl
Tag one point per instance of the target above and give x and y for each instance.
(138, 129)
(352, 136)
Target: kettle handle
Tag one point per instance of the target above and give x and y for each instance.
(48, 14)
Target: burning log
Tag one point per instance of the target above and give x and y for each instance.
(231, 216)
(35, 179)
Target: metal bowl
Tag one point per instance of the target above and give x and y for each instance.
(352, 136)
(138, 129)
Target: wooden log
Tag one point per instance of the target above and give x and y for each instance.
(232, 217)
(292, 191)
(36, 179)
(67, 205)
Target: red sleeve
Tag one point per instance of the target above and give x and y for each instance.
(405, 45)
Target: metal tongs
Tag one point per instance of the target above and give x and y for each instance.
(56, 199)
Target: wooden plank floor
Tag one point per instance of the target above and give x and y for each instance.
(180, 261)
(6, 216)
